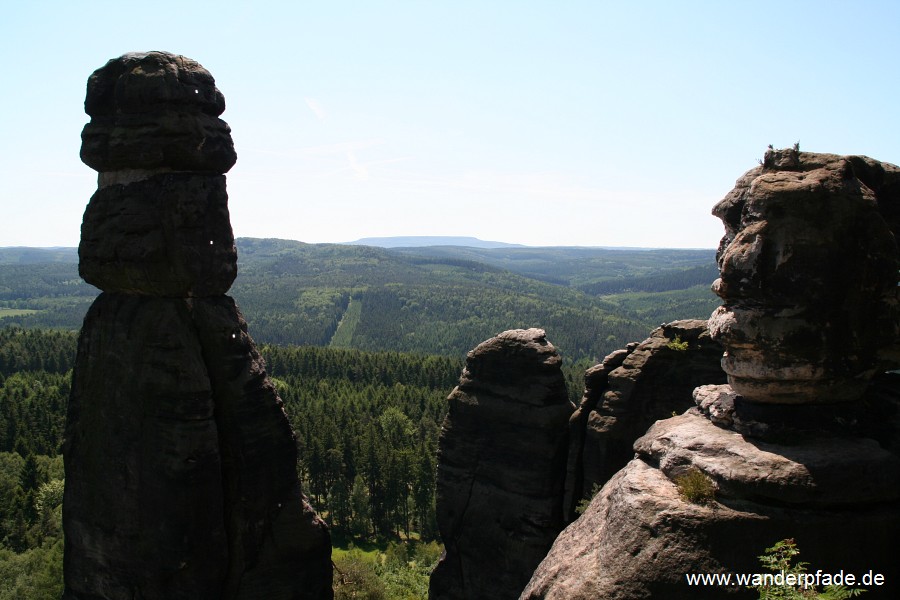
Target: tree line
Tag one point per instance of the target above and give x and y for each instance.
(425, 300)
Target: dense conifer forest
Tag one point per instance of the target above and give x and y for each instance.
(364, 344)
(366, 423)
(35, 376)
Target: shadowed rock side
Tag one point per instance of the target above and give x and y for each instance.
(180, 462)
(501, 468)
(155, 111)
(800, 444)
(629, 390)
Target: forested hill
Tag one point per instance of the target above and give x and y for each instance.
(427, 240)
(433, 300)
(581, 268)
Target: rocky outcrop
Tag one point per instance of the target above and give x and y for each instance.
(639, 538)
(180, 462)
(808, 277)
(627, 392)
(799, 445)
(166, 235)
(501, 468)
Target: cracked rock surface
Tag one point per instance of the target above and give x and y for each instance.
(629, 390)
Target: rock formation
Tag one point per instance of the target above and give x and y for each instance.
(791, 447)
(501, 468)
(180, 463)
(630, 390)
(808, 277)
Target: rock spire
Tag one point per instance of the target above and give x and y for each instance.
(180, 462)
(501, 467)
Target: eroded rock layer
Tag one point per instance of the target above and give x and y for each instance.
(155, 111)
(501, 468)
(180, 462)
(166, 235)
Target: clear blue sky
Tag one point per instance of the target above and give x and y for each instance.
(546, 123)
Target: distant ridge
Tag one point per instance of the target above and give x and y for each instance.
(24, 255)
(418, 241)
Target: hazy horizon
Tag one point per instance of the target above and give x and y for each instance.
(504, 243)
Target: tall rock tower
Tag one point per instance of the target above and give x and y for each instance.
(180, 462)
(501, 467)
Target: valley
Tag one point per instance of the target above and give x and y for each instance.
(431, 300)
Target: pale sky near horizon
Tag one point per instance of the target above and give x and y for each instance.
(586, 123)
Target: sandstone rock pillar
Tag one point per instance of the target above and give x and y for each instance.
(501, 468)
(180, 462)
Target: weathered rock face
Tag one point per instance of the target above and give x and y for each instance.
(501, 468)
(809, 277)
(629, 390)
(639, 538)
(180, 462)
(156, 225)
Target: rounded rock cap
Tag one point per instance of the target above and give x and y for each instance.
(155, 111)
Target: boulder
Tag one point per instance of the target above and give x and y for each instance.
(639, 538)
(155, 111)
(811, 470)
(166, 235)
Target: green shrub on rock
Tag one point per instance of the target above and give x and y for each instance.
(694, 486)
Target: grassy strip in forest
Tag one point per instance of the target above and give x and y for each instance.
(343, 335)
